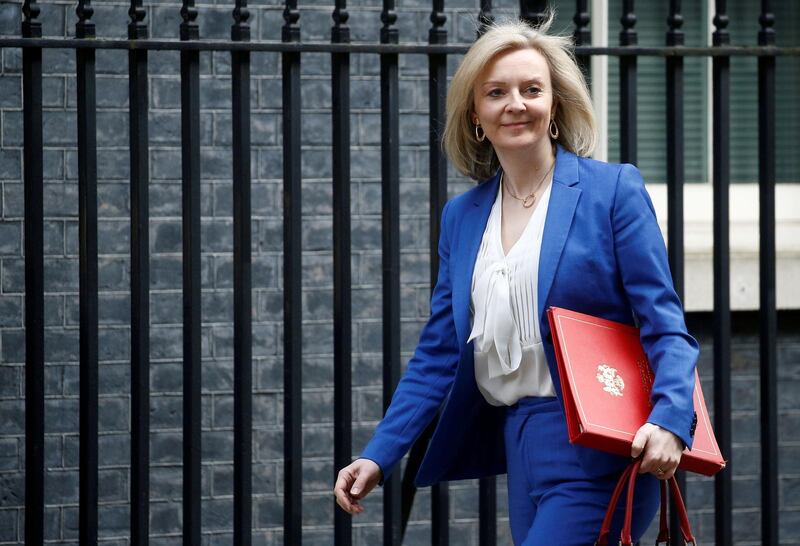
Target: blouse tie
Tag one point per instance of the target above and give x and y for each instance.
(494, 321)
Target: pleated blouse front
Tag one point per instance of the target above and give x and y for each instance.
(509, 357)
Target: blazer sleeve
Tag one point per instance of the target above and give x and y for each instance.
(642, 261)
(429, 374)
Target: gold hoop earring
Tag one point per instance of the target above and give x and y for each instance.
(553, 129)
(480, 137)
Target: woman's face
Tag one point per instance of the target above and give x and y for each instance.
(514, 100)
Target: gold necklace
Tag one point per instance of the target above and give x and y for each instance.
(528, 201)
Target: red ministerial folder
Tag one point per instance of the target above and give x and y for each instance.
(606, 382)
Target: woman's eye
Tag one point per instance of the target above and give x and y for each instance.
(533, 90)
(495, 92)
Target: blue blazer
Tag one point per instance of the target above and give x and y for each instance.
(602, 253)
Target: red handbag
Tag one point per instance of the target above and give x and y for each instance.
(629, 475)
(606, 381)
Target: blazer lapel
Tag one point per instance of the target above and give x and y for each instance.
(560, 212)
(470, 236)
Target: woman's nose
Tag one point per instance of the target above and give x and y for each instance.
(515, 103)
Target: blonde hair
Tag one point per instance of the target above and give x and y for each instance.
(574, 113)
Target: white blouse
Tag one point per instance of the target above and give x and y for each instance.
(509, 358)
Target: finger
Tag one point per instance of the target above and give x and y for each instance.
(341, 489)
(639, 441)
(660, 467)
(666, 475)
(663, 471)
(671, 467)
(651, 462)
(648, 465)
(348, 504)
(359, 489)
(343, 500)
(656, 468)
(651, 458)
(343, 482)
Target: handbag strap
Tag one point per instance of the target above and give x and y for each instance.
(663, 528)
(628, 477)
(605, 529)
(625, 538)
(686, 529)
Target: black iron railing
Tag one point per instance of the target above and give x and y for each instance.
(342, 308)
(723, 486)
(399, 491)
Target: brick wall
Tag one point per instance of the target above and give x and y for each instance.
(61, 281)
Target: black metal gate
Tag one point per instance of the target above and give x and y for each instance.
(399, 492)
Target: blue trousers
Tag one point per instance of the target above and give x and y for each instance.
(551, 500)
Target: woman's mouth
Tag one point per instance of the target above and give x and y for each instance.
(515, 125)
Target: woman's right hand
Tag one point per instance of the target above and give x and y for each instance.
(354, 482)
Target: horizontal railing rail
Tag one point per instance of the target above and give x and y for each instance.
(419, 48)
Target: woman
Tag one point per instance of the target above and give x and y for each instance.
(547, 226)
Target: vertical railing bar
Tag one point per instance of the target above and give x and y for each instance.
(721, 258)
(190, 174)
(242, 294)
(342, 278)
(533, 12)
(627, 86)
(485, 17)
(87, 222)
(768, 321)
(140, 280)
(582, 35)
(408, 487)
(675, 141)
(487, 505)
(390, 237)
(34, 277)
(675, 181)
(437, 95)
(292, 282)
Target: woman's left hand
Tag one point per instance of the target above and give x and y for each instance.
(662, 450)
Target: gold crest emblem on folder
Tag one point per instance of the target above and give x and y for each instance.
(612, 382)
